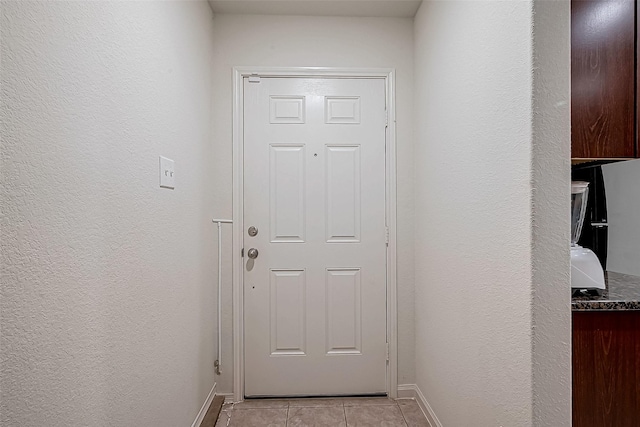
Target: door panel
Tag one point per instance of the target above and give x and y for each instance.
(287, 312)
(287, 193)
(315, 297)
(344, 327)
(343, 193)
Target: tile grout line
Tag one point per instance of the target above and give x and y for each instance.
(406, 423)
(286, 421)
(344, 414)
(403, 416)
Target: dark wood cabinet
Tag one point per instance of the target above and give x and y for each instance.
(606, 369)
(604, 81)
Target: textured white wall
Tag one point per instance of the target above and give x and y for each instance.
(331, 42)
(551, 175)
(107, 280)
(474, 127)
(623, 205)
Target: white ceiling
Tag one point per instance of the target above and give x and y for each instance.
(383, 8)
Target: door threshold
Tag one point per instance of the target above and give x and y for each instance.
(316, 396)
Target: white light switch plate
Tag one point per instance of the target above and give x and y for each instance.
(167, 173)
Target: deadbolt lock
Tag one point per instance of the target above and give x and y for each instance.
(253, 231)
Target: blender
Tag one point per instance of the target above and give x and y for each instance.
(586, 270)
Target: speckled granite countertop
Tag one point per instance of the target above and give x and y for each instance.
(622, 293)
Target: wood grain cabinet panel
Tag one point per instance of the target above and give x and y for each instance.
(606, 369)
(603, 78)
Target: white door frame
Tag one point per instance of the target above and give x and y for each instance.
(388, 74)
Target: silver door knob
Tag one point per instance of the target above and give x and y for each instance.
(252, 253)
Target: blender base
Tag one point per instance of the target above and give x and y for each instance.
(586, 271)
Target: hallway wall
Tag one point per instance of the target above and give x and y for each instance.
(288, 41)
(492, 177)
(108, 282)
(550, 217)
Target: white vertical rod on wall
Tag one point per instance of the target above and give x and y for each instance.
(218, 361)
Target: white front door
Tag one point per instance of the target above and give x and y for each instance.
(314, 189)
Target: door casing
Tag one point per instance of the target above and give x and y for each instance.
(239, 73)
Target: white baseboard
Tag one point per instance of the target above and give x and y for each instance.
(407, 391)
(412, 391)
(205, 407)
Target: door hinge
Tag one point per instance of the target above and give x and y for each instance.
(242, 253)
(254, 78)
(386, 235)
(387, 352)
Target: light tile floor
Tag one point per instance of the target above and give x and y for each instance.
(330, 412)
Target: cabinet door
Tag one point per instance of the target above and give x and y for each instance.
(606, 369)
(603, 78)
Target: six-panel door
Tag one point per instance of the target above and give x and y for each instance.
(314, 187)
